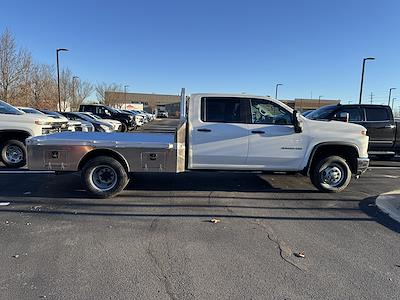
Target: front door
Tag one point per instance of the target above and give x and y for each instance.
(381, 128)
(273, 143)
(219, 136)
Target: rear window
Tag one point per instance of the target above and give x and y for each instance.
(377, 114)
(223, 110)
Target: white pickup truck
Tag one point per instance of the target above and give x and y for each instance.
(221, 132)
(15, 127)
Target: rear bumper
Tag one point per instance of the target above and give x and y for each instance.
(362, 165)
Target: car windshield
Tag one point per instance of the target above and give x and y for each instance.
(8, 109)
(321, 113)
(29, 110)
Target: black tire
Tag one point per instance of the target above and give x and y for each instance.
(14, 159)
(124, 127)
(331, 174)
(104, 177)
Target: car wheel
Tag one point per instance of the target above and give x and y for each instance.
(331, 174)
(13, 154)
(104, 177)
(124, 127)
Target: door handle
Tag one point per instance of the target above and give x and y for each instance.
(390, 126)
(257, 131)
(204, 130)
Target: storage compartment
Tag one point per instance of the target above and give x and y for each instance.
(153, 161)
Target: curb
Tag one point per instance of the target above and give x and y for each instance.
(389, 203)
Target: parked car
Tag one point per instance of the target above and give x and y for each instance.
(15, 127)
(107, 112)
(117, 125)
(222, 132)
(98, 125)
(57, 123)
(383, 130)
(139, 119)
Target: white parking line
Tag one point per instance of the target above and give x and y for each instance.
(383, 168)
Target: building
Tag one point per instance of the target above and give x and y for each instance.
(150, 101)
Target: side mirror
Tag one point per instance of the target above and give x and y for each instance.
(343, 117)
(297, 124)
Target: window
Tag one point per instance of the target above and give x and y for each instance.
(377, 114)
(354, 114)
(223, 109)
(8, 109)
(321, 113)
(267, 112)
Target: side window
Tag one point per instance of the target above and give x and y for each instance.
(223, 110)
(267, 112)
(377, 114)
(354, 114)
(99, 110)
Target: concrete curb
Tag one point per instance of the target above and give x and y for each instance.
(389, 203)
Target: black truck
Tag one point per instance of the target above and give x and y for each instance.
(106, 112)
(382, 128)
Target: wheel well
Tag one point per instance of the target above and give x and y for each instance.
(14, 135)
(103, 152)
(348, 152)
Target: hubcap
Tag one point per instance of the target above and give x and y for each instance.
(14, 154)
(332, 175)
(103, 177)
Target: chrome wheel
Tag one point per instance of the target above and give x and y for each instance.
(332, 175)
(103, 177)
(14, 154)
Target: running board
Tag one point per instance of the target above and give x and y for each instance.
(381, 152)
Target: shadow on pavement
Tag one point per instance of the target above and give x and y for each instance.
(369, 208)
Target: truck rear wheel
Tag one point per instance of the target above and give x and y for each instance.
(331, 174)
(13, 154)
(104, 177)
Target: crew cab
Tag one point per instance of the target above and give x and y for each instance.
(15, 127)
(222, 132)
(107, 112)
(383, 130)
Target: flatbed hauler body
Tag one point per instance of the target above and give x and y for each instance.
(221, 132)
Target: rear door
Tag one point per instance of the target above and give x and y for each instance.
(219, 134)
(381, 128)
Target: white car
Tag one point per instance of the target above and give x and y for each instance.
(114, 123)
(15, 127)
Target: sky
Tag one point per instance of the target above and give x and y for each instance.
(312, 47)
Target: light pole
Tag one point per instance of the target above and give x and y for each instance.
(319, 101)
(362, 76)
(73, 89)
(390, 94)
(58, 76)
(276, 90)
(125, 86)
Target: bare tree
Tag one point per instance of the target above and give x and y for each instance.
(81, 91)
(66, 89)
(43, 87)
(105, 95)
(14, 68)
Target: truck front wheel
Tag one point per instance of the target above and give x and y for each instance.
(331, 174)
(124, 127)
(104, 177)
(13, 154)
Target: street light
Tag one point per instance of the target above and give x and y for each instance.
(390, 94)
(276, 90)
(125, 86)
(362, 76)
(73, 89)
(58, 76)
(319, 101)
(393, 102)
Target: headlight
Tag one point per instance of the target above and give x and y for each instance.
(39, 122)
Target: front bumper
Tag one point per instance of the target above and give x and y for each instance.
(362, 165)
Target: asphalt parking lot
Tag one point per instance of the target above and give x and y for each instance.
(155, 241)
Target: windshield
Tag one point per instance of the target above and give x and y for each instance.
(321, 113)
(8, 109)
(31, 111)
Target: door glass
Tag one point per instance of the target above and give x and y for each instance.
(354, 114)
(267, 112)
(224, 110)
(377, 114)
